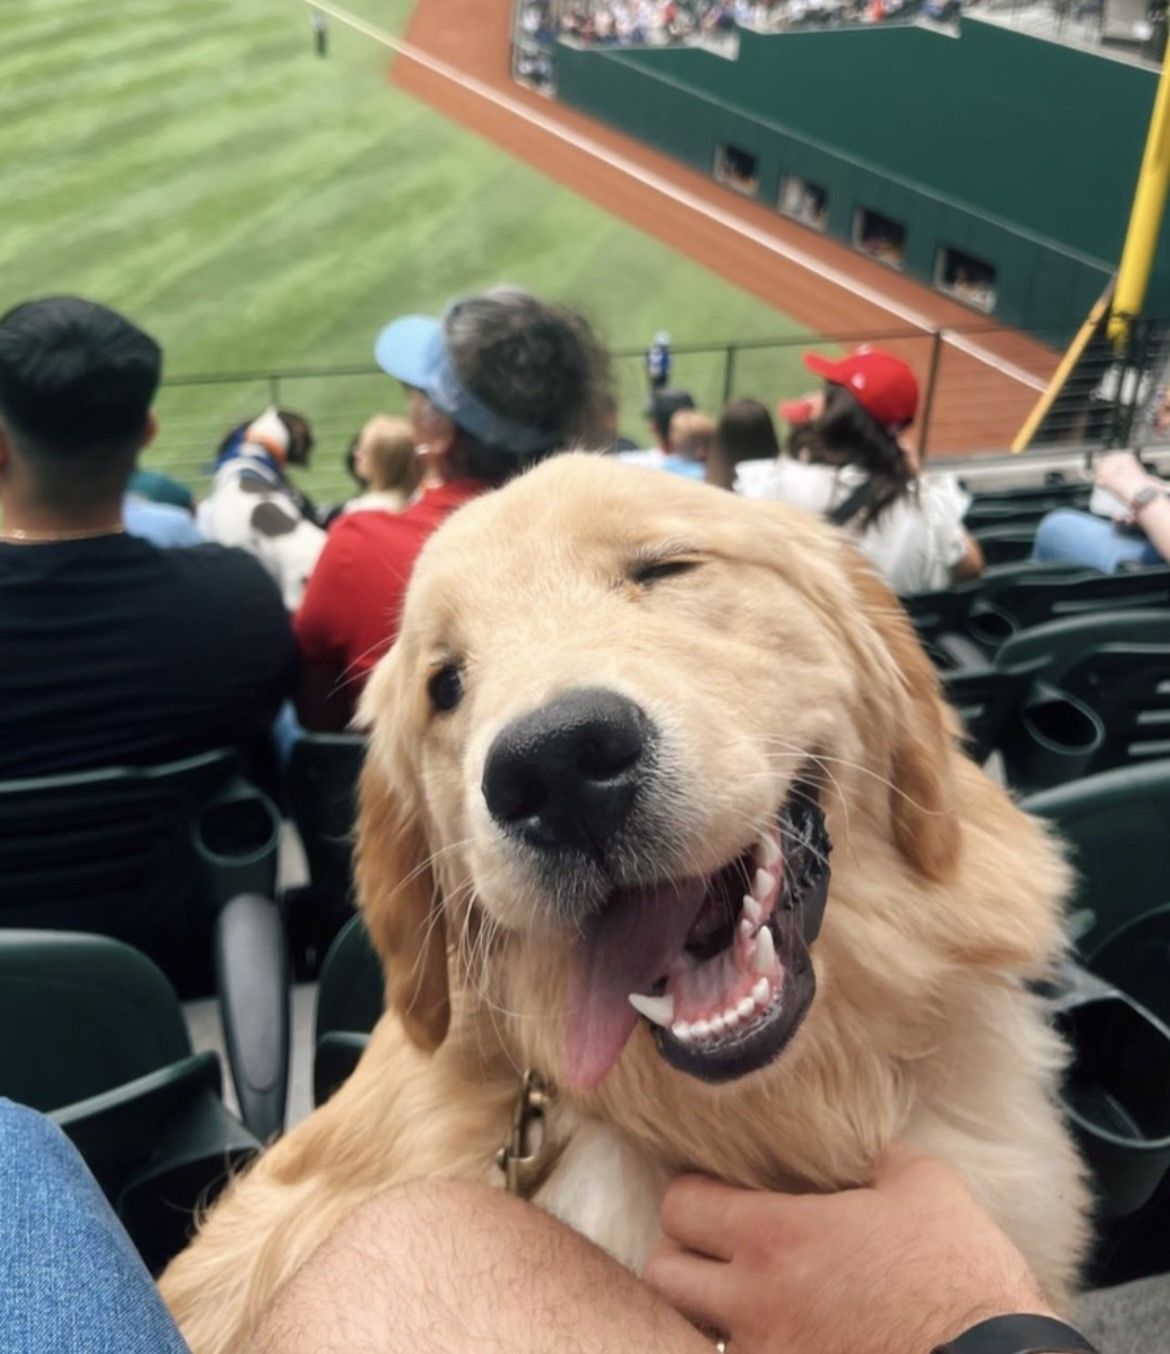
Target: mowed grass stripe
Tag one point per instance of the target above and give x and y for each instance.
(256, 207)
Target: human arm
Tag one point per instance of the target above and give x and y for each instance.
(970, 563)
(1124, 476)
(901, 1265)
(447, 1267)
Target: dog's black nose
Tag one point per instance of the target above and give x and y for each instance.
(567, 774)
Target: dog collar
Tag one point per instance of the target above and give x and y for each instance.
(528, 1157)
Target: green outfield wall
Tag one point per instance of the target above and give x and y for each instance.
(1015, 151)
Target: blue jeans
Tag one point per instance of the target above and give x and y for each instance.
(71, 1281)
(1069, 537)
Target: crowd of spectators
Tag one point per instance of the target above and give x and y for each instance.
(138, 626)
(660, 23)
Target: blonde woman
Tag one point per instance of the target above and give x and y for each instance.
(387, 464)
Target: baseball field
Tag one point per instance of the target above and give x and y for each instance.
(259, 209)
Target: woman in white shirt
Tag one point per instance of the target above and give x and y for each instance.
(847, 465)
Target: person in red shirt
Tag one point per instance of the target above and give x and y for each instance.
(500, 382)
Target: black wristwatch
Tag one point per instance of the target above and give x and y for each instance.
(1143, 498)
(1019, 1335)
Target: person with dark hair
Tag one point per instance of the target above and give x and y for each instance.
(501, 381)
(847, 464)
(254, 503)
(114, 651)
(745, 432)
(661, 408)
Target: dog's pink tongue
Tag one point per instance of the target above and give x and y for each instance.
(627, 948)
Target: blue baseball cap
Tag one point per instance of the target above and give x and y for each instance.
(413, 351)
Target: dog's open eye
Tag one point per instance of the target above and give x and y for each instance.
(446, 687)
(649, 571)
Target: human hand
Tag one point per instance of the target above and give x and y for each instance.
(897, 1267)
(1122, 474)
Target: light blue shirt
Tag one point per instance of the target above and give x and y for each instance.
(159, 523)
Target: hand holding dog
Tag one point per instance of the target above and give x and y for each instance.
(903, 1264)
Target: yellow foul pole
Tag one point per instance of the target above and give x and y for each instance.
(1145, 222)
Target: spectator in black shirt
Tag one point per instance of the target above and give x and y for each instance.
(114, 651)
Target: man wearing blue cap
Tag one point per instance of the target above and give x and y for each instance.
(500, 382)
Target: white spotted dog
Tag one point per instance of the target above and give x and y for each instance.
(255, 506)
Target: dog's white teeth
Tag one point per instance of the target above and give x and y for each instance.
(764, 955)
(760, 992)
(762, 885)
(768, 851)
(700, 1029)
(745, 1008)
(718, 1024)
(752, 911)
(681, 1031)
(658, 1009)
(746, 929)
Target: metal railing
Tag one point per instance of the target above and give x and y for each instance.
(967, 406)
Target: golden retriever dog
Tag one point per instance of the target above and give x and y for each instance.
(626, 721)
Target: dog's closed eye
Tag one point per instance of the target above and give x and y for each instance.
(646, 571)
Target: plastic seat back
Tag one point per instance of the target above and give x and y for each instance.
(350, 1002)
(95, 1037)
(1117, 825)
(1009, 605)
(146, 855)
(322, 789)
(81, 1015)
(321, 784)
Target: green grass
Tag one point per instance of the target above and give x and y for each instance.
(193, 164)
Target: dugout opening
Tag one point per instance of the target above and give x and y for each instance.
(804, 201)
(966, 278)
(737, 168)
(879, 237)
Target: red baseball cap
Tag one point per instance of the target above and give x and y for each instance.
(881, 383)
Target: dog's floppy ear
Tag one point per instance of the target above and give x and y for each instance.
(397, 889)
(922, 729)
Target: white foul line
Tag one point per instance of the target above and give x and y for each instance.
(668, 189)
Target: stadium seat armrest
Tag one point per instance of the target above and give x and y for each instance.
(252, 973)
(962, 655)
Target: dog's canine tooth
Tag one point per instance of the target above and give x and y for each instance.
(768, 850)
(760, 992)
(764, 955)
(762, 885)
(658, 1009)
(752, 911)
(745, 1007)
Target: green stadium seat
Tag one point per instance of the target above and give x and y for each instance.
(95, 1038)
(147, 855)
(321, 786)
(1100, 696)
(1117, 826)
(349, 1004)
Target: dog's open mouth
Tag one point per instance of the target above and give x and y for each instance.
(718, 965)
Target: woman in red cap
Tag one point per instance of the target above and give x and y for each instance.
(844, 462)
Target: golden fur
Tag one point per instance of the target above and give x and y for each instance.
(944, 898)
